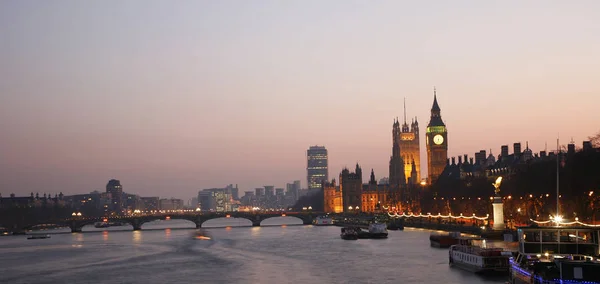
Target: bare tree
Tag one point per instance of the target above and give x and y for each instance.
(595, 139)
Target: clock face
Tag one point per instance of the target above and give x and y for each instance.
(438, 139)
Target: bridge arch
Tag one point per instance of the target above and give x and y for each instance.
(151, 223)
(220, 222)
(282, 220)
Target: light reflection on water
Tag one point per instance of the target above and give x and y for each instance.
(137, 236)
(276, 254)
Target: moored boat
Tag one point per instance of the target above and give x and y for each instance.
(443, 240)
(378, 230)
(323, 221)
(349, 233)
(472, 254)
(556, 255)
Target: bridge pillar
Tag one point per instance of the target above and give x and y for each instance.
(136, 224)
(76, 229)
(256, 220)
(307, 220)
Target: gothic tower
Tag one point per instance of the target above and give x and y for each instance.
(410, 149)
(397, 176)
(436, 141)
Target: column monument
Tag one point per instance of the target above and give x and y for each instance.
(498, 206)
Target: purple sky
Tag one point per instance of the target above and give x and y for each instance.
(174, 96)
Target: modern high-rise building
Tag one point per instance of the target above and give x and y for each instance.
(293, 190)
(437, 142)
(114, 188)
(316, 168)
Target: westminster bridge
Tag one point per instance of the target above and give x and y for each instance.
(76, 223)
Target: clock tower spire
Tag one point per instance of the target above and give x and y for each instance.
(436, 141)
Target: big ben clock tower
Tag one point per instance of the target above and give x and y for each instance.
(437, 142)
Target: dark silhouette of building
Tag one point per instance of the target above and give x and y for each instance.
(351, 189)
(504, 152)
(316, 168)
(397, 177)
(437, 142)
(410, 149)
(115, 190)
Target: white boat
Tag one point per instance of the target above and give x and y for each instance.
(472, 254)
(378, 230)
(35, 237)
(323, 221)
(553, 255)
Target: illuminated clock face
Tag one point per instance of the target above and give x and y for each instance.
(438, 139)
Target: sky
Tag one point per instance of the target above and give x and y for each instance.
(171, 97)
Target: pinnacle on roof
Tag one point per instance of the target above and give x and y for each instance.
(435, 106)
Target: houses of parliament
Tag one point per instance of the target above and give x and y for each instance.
(351, 195)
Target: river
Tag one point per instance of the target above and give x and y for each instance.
(165, 252)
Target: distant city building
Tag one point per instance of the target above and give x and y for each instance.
(503, 151)
(194, 203)
(293, 190)
(171, 204)
(260, 191)
(316, 168)
(151, 203)
(114, 188)
(279, 192)
(216, 199)
(269, 190)
(36, 201)
(205, 201)
(132, 202)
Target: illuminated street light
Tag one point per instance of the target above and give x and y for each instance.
(198, 209)
(558, 219)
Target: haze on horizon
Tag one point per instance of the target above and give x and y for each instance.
(173, 97)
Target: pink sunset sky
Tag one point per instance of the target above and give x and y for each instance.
(171, 97)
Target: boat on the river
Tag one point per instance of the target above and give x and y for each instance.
(35, 237)
(395, 225)
(472, 254)
(378, 230)
(443, 240)
(323, 221)
(201, 235)
(375, 231)
(556, 255)
(349, 233)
